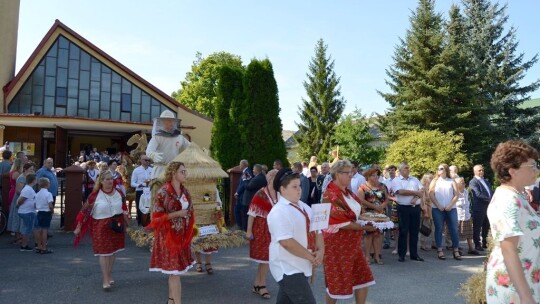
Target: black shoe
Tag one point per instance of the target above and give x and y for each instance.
(484, 246)
(434, 247)
(473, 252)
(479, 248)
(385, 246)
(26, 248)
(417, 258)
(401, 259)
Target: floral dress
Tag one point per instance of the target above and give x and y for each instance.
(345, 267)
(171, 252)
(375, 196)
(511, 215)
(260, 206)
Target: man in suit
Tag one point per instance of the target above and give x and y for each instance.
(481, 196)
(239, 215)
(325, 172)
(255, 184)
(304, 181)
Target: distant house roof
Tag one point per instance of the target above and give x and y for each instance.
(58, 28)
(288, 138)
(531, 103)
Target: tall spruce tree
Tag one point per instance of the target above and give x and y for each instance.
(226, 141)
(499, 70)
(468, 114)
(259, 121)
(417, 77)
(320, 113)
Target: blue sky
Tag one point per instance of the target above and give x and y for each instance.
(159, 39)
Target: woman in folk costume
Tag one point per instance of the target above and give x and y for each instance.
(345, 267)
(117, 177)
(172, 221)
(167, 142)
(90, 178)
(257, 232)
(104, 209)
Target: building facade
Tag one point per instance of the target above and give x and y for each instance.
(71, 96)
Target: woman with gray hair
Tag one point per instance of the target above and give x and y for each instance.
(345, 267)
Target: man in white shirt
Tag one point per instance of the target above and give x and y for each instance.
(391, 170)
(408, 193)
(139, 180)
(357, 178)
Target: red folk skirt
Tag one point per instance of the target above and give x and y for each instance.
(105, 241)
(162, 260)
(258, 247)
(345, 268)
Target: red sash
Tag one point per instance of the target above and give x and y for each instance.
(310, 234)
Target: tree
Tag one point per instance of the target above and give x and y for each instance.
(198, 90)
(499, 71)
(425, 150)
(416, 78)
(320, 113)
(226, 140)
(259, 120)
(353, 138)
(469, 115)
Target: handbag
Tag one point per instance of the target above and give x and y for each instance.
(425, 227)
(117, 223)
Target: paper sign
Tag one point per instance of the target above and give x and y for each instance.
(320, 216)
(207, 230)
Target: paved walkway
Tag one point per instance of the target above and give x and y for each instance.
(73, 276)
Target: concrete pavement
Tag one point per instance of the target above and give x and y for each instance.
(73, 276)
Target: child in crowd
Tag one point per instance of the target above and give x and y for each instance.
(27, 210)
(45, 209)
(464, 215)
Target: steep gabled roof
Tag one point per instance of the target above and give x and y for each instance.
(58, 28)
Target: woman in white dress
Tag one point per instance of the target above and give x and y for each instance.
(513, 268)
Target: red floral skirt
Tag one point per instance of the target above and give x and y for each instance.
(105, 241)
(345, 268)
(258, 247)
(164, 261)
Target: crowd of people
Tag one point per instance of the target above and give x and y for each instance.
(30, 200)
(274, 208)
(451, 211)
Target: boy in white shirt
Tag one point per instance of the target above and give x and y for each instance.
(27, 210)
(44, 206)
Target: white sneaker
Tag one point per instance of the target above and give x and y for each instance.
(394, 251)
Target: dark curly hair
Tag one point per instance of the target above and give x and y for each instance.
(510, 154)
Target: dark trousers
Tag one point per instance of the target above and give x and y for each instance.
(409, 224)
(480, 223)
(240, 215)
(138, 195)
(295, 289)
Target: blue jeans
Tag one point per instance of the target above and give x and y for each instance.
(451, 220)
